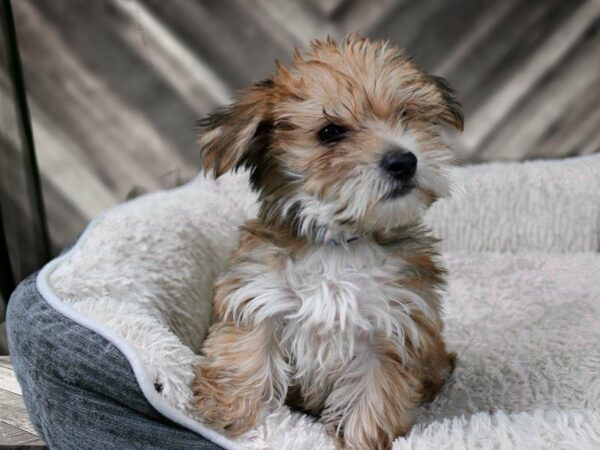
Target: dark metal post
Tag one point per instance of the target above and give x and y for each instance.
(21, 203)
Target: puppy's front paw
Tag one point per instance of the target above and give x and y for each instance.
(368, 429)
(220, 404)
(365, 439)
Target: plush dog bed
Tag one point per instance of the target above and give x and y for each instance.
(103, 339)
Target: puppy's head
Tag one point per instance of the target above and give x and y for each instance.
(345, 141)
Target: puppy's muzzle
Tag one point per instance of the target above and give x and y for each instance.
(401, 164)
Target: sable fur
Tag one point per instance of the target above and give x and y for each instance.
(351, 331)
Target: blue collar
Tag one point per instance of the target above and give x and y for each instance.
(338, 242)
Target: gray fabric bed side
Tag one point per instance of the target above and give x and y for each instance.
(79, 389)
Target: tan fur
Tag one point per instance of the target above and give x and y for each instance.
(356, 82)
(375, 421)
(369, 88)
(231, 386)
(231, 399)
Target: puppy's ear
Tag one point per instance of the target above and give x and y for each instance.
(451, 115)
(228, 135)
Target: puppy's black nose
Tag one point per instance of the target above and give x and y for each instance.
(401, 164)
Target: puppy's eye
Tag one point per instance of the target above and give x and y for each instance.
(403, 113)
(332, 133)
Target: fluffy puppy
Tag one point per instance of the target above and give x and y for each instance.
(332, 301)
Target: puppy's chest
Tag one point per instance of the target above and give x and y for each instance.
(356, 289)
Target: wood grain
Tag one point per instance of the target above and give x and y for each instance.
(117, 85)
(15, 427)
(8, 381)
(12, 437)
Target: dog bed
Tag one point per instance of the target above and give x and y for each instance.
(103, 339)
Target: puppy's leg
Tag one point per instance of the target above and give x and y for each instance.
(242, 371)
(435, 363)
(437, 368)
(374, 401)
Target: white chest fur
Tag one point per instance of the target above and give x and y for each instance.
(341, 298)
(327, 305)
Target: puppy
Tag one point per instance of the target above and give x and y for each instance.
(331, 304)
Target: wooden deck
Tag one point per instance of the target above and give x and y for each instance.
(16, 430)
(115, 86)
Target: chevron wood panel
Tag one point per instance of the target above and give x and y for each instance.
(116, 86)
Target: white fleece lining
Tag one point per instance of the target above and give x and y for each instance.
(142, 377)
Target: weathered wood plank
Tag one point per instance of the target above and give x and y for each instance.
(562, 89)
(357, 15)
(69, 173)
(12, 408)
(185, 72)
(129, 78)
(506, 48)
(306, 25)
(579, 139)
(65, 222)
(24, 233)
(328, 7)
(13, 411)
(592, 145)
(504, 100)
(5, 361)
(441, 30)
(121, 142)
(576, 130)
(399, 24)
(59, 160)
(12, 437)
(116, 85)
(229, 39)
(484, 24)
(8, 380)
